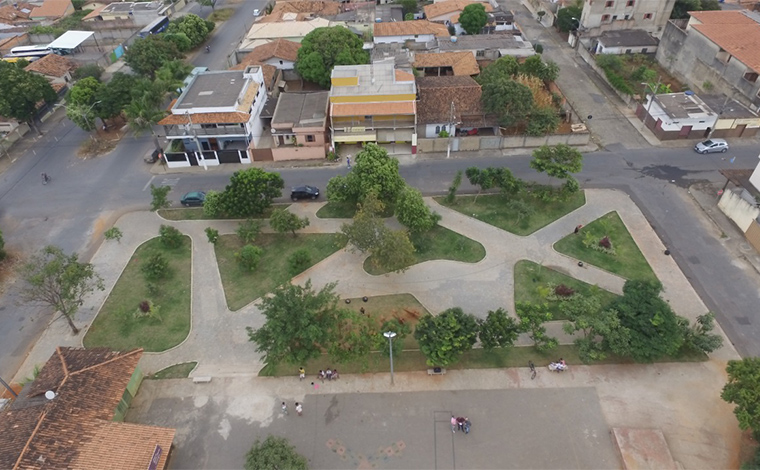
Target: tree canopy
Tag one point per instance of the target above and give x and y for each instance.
(565, 21)
(682, 8)
(473, 18)
(408, 6)
(147, 55)
(193, 26)
(412, 211)
(504, 67)
(498, 330)
(324, 48)
(250, 192)
(536, 67)
(557, 161)
(443, 338)
(743, 390)
(274, 453)
(22, 92)
(509, 100)
(373, 172)
(115, 95)
(283, 221)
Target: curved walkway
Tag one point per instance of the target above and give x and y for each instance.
(218, 340)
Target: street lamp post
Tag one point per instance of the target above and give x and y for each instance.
(390, 335)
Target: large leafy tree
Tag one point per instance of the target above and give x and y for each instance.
(473, 18)
(654, 328)
(504, 67)
(557, 161)
(193, 26)
(508, 99)
(565, 21)
(484, 179)
(22, 92)
(682, 8)
(536, 67)
(299, 323)
(498, 330)
(743, 390)
(60, 281)
(412, 211)
(395, 252)
(147, 55)
(115, 95)
(532, 318)
(274, 453)
(373, 172)
(443, 338)
(698, 337)
(250, 192)
(324, 48)
(283, 221)
(84, 92)
(597, 330)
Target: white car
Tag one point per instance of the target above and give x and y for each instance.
(711, 146)
(256, 12)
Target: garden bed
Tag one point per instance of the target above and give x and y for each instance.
(346, 210)
(196, 213)
(117, 327)
(242, 287)
(493, 209)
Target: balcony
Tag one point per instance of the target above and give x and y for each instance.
(347, 124)
(231, 130)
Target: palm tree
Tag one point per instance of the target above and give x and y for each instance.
(143, 113)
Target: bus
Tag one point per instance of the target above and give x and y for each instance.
(28, 52)
(159, 25)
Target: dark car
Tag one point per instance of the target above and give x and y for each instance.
(193, 198)
(304, 192)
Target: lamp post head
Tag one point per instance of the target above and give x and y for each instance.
(389, 334)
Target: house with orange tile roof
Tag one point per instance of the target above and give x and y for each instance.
(373, 103)
(448, 12)
(422, 31)
(437, 64)
(452, 104)
(217, 117)
(71, 416)
(57, 69)
(52, 10)
(716, 52)
(16, 14)
(279, 53)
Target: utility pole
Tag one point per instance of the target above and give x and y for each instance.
(195, 138)
(654, 93)
(451, 129)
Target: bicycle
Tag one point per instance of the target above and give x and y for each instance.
(532, 370)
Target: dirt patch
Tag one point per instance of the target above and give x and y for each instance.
(92, 148)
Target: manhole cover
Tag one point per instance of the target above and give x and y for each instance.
(742, 320)
(693, 260)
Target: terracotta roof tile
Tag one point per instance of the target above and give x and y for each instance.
(410, 28)
(437, 94)
(435, 10)
(403, 76)
(372, 109)
(462, 63)
(303, 10)
(94, 13)
(51, 65)
(52, 9)
(279, 48)
(40, 433)
(115, 446)
(733, 32)
(206, 118)
(10, 14)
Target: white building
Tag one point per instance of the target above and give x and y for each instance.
(605, 15)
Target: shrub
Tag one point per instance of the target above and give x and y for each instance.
(212, 204)
(248, 230)
(249, 257)
(160, 199)
(212, 234)
(156, 268)
(452, 194)
(113, 233)
(148, 309)
(609, 62)
(170, 236)
(564, 291)
(605, 242)
(299, 261)
(538, 47)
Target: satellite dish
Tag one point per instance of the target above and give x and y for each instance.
(50, 394)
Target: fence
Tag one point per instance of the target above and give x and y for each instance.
(205, 158)
(472, 144)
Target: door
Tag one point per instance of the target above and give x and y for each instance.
(684, 132)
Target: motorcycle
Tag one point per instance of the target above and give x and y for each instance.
(208, 49)
(45, 178)
(557, 367)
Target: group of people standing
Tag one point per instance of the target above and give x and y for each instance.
(329, 374)
(299, 409)
(463, 424)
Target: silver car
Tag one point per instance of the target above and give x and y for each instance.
(711, 146)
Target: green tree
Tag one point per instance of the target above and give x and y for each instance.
(324, 48)
(155, 268)
(743, 390)
(654, 328)
(212, 235)
(498, 330)
(473, 18)
(394, 252)
(536, 67)
(600, 329)
(113, 233)
(22, 91)
(170, 237)
(451, 196)
(147, 55)
(274, 453)
(408, 6)
(206, 3)
(193, 26)
(682, 8)
(180, 40)
(89, 70)
(557, 161)
(484, 179)
(366, 229)
(115, 95)
(698, 337)
(299, 261)
(84, 92)
(532, 318)
(568, 17)
(445, 337)
(283, 221)
(171, 76)
(413, 213)
(509, 100)
(542, 121)
(248, 230)
(60, 281)
(249, 257)
(373, 172)
(143, 112)
(83, 116)
(504, 67)
(160, 197)
(212, 204)
(299, 323)
(250, 192)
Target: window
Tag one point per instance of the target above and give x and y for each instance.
(626, 17)
(437, 129)
(280, 62)
(480, 53)
(644, 50)
(627, 51)
(614, 17)
(751, 77)
(367, 118)
(629, 3)
(605, 17)
(208, 126)
(647, 16)
(309, 138)
(609, 4)
(723, 56)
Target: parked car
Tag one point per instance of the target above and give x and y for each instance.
(711, 146)
(193, 198)
(304, 192)
(256, 12)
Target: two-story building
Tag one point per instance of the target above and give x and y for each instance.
(716, 51)
(218, 111)
(299, 126)
(605, 15)
(373, 103)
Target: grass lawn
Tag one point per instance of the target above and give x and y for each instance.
(529, 277)
(242, 287)
(492, 209)
(196, 213)
(116, 326)
(405, 307)
(628, 262)
(439, 243)
(345, 210)
(177, 371)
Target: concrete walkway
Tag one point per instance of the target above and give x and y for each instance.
(218, 340)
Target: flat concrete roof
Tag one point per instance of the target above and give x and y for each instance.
(682, 105)
(484, 41)
(627, 37)
(212, 90)
(727, 110)
(374, 79)
(301, 109)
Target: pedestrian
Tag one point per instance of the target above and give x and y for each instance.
(335, 374)
(348, 161)
(322, 375)
(578, 229)
(328, 374)
(467, 425)
(301, 373)
(284, 409)
(299, 409)
(453, 424)
(316, 386)
(361, 310)
(460, 423)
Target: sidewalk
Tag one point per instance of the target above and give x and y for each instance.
(218, 340)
